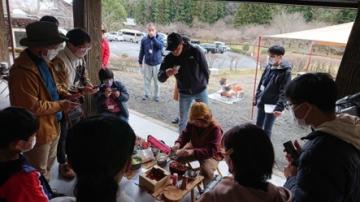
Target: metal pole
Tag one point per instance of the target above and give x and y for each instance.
(256, 72)
(10, 29)
(310, 54)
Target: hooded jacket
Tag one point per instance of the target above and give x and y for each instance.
(271, 88)
(27, 89)
(329, 165)
(228, 190)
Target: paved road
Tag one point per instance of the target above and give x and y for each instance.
(217, 61)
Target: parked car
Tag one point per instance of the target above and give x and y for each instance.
(163, 38)
(114, 36)
(221, 46)
(200, 47)
(210, 48)
(216, 47)
(131, 35)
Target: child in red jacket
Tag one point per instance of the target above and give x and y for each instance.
(19, 181)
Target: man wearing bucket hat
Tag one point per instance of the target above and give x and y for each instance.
(32, 86)
(188, 64)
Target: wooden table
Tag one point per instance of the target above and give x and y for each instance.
(189, 188)
(158, 195)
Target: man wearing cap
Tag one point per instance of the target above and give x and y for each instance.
(188, 65)
(150, 58)
(32, 86)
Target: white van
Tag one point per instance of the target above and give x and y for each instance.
(131, 35)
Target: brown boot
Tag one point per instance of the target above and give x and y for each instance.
(66, 171)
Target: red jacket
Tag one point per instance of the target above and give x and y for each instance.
(23, 187)
(206, 141)
(105, 53)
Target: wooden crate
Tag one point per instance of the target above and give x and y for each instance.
(153, 185)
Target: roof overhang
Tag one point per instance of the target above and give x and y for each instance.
(336, 35)
(330, 3)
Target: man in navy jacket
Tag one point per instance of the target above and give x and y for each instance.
(270, 91)
(150, 58)
(328, 168)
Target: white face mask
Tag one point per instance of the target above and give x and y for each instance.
(109, 82)
(28, 146)
(271, 61)
(51, 54)
(300, 122)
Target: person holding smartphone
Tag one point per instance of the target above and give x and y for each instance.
(328, 168)
(112, 96)
(189, 66)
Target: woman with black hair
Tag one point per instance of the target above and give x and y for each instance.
(250, 156)
(99, 150)
(112, 96)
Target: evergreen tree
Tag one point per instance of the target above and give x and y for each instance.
(184, 12)
(140, 12)
(113, 14)
(249, 13)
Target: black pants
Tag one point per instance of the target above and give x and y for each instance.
(61, 153)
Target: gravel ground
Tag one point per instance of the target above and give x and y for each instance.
(227, 115)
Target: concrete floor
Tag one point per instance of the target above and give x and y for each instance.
(143, 126)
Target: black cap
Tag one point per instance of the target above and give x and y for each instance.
(173, 41)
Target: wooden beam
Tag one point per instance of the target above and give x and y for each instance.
(4, 45)
(87, 15)
(348, 77)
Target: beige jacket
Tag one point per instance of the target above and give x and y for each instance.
(65, 65)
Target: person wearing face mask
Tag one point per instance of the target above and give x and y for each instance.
(32, 85)
(19, 181)
(249, 154)
(200, 140)
(270, 91)
(72, 75)
(329, 163)
(112, 96)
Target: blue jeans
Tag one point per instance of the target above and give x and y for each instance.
(185, 103)
(265, 120)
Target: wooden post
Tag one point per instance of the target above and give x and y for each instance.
(347, 79)
(4, 46)
(87, 15)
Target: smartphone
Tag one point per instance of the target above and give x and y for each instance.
(290, 149)
(177, 67)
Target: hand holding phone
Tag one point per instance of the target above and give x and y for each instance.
(292, 151)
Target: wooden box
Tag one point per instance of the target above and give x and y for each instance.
(151, 184)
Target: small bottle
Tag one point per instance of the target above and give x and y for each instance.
(175, 179)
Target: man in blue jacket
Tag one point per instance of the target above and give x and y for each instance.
(328, 168)
(150, 58)
(270, 99)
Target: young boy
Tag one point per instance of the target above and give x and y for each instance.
(19, 181)
(271, 89)
(112, 96)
